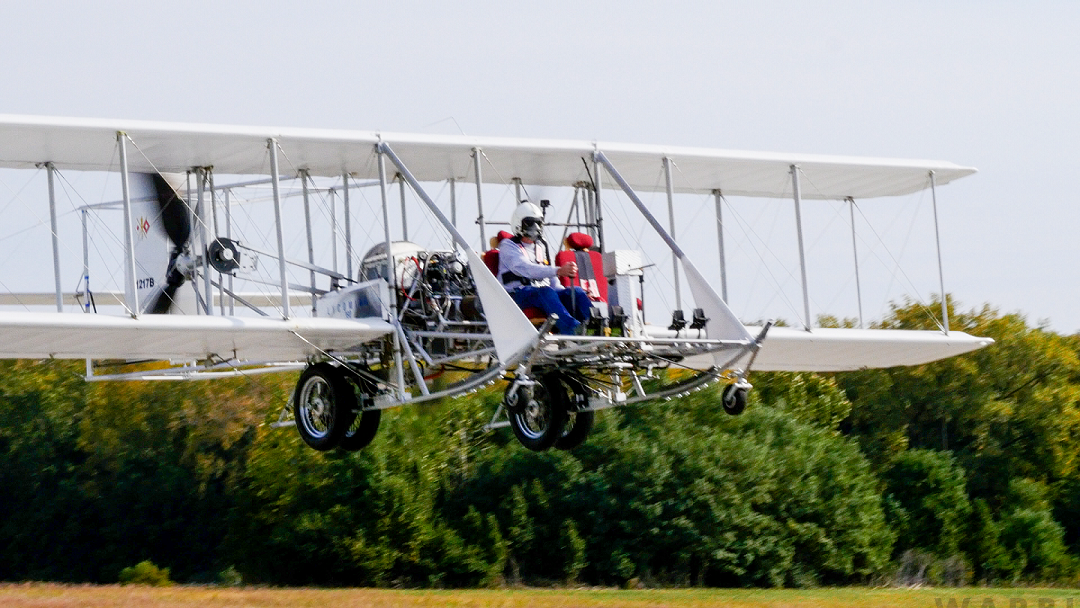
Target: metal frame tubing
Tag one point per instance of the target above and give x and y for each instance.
(348, 225)
(384, 149)
(333, 230)
(391, 275)
(855, 255)
(600, 159)
(598, 216)
(453, 201)
(802, 253)
(275, 178)
(50, 170)
(941, 272)
(720, 239)
(479, 198)
(204, 240)
(228, 235)
(131, 292)
(671, 228)
(86, 260)
(304, 178)
(214, 217)
(404, 215)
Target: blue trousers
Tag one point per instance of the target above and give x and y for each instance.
(572, 305)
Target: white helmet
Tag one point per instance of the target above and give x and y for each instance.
(527, 220)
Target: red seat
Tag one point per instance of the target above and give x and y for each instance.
(590, 266)
(491, 260)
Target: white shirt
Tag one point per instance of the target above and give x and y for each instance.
(522, 260)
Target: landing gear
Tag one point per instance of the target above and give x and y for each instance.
(362, 431)
(578, 423)
(324, 405)
(537, 411)
(734, 398)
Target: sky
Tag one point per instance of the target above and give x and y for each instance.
(990, 84)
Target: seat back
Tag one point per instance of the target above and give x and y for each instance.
(590, 266)
(491, 257)
(491, 260)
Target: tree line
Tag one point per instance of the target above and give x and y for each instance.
(960, 471)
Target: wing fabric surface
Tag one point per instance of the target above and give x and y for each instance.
(838, 350)
(89, 144)
(28, 335)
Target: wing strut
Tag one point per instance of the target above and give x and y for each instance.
(511, 330)
(724, 324)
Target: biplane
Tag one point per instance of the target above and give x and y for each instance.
(404, 323)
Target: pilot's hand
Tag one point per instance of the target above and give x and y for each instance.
(568, 269)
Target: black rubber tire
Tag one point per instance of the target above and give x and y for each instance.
(324, 406)
(361, 432)
(733, 399)
(538, 422)
(578, 424)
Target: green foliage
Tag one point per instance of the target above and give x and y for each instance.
(963, 468)
(1010, 410)
(573, 546)
(928, 506)
(1032, 541)
(145, 573)
(810, 398)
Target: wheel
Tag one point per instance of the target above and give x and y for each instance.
(734, 399)
(324, 406)
(578, 424)
(538, 416)
(362, 430)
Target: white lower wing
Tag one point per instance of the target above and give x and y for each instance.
(28, 335)
(838, 350)
(841, 350)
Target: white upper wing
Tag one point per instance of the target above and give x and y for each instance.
(89, 144)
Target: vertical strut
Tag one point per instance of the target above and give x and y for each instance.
(671, 229)
(228, 235)
(802, 252)
(855, 253)
(479, 198)
(348, 225)
(304, 177)
(85, 261)
(274, 179)
(203, 221)
(214, 217)
(590, 197)
(404, 216)
(720, 239)
(333, 230)
(598, 216)
(131, 293)
(453, 202)
(722, 322)
(50, 170)
(391, 277)
(941, 272)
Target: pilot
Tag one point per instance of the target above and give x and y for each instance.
(525, 271)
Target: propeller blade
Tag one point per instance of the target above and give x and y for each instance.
(175, 217)
(173, 280)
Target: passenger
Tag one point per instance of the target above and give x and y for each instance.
(530, 278)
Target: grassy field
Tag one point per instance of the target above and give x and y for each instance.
(61, 596)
